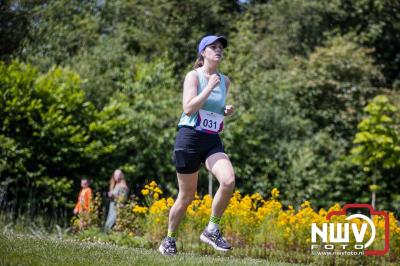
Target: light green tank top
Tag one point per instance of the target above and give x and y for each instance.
(210, 117)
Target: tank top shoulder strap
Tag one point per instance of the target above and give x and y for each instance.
(201, 79)
(222, 83)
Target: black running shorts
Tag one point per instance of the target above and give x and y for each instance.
(193, 147)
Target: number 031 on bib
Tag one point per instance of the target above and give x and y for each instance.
(209, 122)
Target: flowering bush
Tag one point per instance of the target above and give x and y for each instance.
(129, 218)
(249, 221)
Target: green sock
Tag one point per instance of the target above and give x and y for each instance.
(215, 219)
(213, 224)
(171, 234)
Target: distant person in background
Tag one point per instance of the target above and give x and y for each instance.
(118, 191)
(84, 198)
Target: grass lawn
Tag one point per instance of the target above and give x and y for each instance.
(27, 250)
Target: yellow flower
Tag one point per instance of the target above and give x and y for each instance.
(306, 204)
(322, 212)
(275, 193)
(139, 209)
(236, 195)
(256, 197)
(158, 190)
(156, 196)
(153, 184)
(159, 206)
(145, 192)
(170, 202)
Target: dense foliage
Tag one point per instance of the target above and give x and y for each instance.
(253, 224)
(90, 86)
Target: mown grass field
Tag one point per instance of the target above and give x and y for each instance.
(23, 249)
(18, 249)
(42, 242)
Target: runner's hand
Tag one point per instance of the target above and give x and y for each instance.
(213, 81)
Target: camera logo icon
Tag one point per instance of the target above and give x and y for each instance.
(336, 236)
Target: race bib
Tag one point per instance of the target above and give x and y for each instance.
(209, 122)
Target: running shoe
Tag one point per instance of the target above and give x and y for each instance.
(215, 240)
(168, 246)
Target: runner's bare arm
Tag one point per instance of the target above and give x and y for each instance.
(191, 101)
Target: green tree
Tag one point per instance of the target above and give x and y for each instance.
(59, 30)
(374, 24)
(49, 136)
(339, 79)
(378, 141)
(153, 107)
(299, 119)
(106, 67)
(174, 28)
(14, 25)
